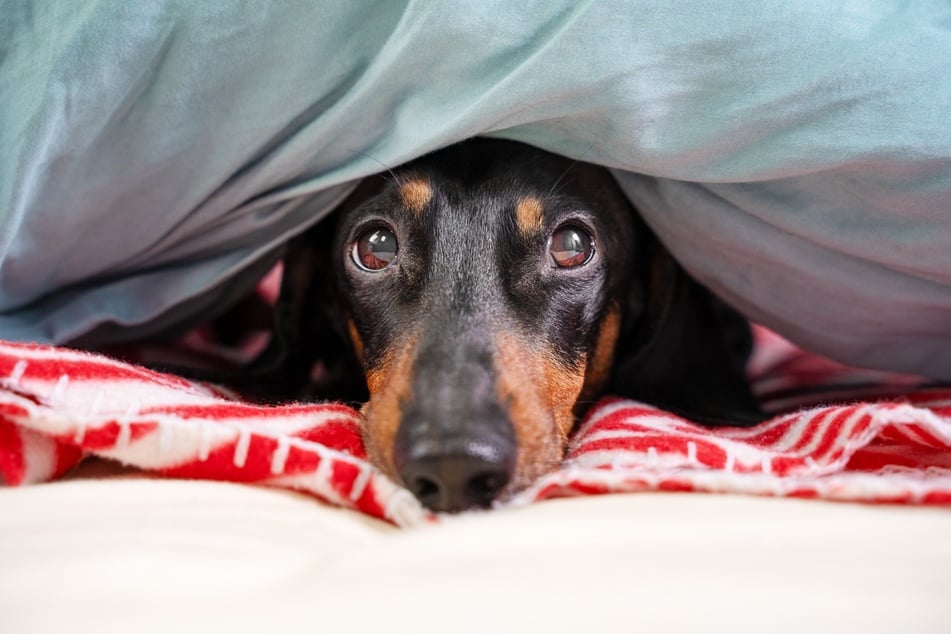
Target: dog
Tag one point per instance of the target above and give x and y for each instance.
(477, 301)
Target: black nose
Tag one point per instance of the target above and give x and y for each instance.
(456, 474)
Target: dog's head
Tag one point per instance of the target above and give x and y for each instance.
(484, 292)
(482, 288)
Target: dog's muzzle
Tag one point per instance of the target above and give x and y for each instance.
(456, 470)
(455, 448)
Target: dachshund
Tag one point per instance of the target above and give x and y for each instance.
(477, 301)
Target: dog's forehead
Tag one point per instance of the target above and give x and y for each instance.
(484, 203)
(513, 199)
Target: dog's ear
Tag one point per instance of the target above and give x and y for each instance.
(310, 354)
(303, 328)
(683, 349)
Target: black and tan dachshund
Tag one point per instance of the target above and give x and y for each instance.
(478, 300)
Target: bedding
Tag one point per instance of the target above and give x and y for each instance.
(795, 157)
(121, 553)
(875, 438)
(107, 548)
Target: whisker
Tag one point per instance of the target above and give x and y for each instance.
(381, 164)
(571, 165)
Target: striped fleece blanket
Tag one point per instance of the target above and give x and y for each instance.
(837, 434)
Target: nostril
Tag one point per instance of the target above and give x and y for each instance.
(447, 479)
(425, 489)
(484, 487)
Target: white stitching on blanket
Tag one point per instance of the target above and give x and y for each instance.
(323, 469)
(692, 453)
(360, 484)
(323, 473)
(241, 447)
(17, 374)
(133, 409)
(59, 390)
(80, 434)
(125, 434)
(279, 457)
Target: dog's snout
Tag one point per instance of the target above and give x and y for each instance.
(455, 474)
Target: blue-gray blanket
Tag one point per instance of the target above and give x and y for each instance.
(795, 156)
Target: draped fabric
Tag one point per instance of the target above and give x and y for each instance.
(796, 157)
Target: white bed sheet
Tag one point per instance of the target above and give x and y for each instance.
(128, 553)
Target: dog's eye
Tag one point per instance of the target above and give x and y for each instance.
(375, 249)
(570, 246)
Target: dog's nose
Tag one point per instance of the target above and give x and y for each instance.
(457, 474)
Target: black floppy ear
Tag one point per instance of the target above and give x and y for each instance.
(305, 328)
(684, 350)
(309, 323)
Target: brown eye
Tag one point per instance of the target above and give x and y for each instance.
(570, 246)
(375, 249)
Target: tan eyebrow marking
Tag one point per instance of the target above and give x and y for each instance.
(416, 193)
(528, 215)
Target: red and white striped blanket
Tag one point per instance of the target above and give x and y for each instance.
(893, 445)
